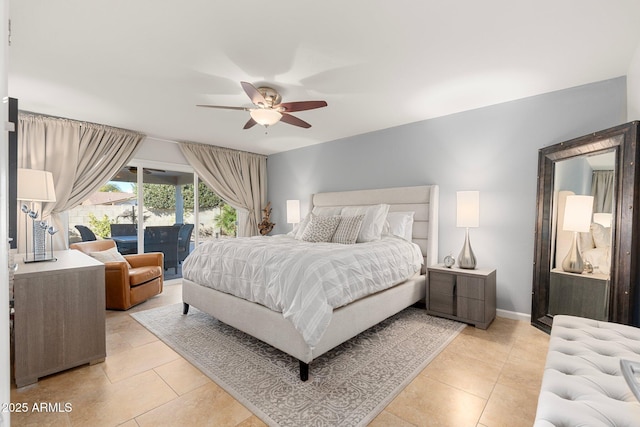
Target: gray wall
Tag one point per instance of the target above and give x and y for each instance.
(493, 150)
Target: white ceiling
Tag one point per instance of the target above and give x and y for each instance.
(145, 64)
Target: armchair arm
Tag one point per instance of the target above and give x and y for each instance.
(144, 260)
(117, 284)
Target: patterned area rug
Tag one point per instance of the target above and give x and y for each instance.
(348, 386)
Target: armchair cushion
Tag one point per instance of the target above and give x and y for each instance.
(140, 275)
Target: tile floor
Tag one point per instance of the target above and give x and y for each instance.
(483, 378)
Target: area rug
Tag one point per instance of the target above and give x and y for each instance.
(348, 386)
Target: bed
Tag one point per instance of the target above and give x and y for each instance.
(348, 320)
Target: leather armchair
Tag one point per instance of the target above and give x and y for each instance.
(124, 286)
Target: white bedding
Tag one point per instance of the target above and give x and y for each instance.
(304, 281)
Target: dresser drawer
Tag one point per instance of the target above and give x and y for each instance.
(471, 287)
(440, 283)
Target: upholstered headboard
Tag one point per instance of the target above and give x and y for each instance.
(423, 200)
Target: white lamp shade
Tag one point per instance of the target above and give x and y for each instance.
(35, 186)
(265, 116)
(468, 209)
(293, 211)
(577, 213)
(603, 218)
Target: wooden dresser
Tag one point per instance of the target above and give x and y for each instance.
(59, 319)
(465, 295)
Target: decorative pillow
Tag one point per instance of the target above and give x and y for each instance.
(320, 228)
(374, 217)
(601, 235)
(319, 211)
(400, 224)
(110, 255)
(348, 229)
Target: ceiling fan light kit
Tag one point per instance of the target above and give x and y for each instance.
(265, 116)
(270, 108)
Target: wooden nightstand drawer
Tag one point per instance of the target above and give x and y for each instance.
(440, 283)
(470, 287)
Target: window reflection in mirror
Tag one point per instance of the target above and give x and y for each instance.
(584, 294)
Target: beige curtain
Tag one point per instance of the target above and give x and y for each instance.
(602, 190)
(236, 176)
(81, 157)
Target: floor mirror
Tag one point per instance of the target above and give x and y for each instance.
(586, 260)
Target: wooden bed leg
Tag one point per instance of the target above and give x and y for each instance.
(185, 308)
(304, 371)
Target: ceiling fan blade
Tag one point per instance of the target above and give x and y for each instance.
(293, 120)
(290, 107)
(251, 123)
(223, 107)
(255, 96)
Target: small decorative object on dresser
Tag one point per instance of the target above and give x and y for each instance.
(266, 226)
(465, 295)
(449, 261)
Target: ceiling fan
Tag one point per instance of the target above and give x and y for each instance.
(269, 109)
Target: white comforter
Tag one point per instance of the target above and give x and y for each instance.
(304, 281)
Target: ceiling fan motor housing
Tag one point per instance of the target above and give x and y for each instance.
(270, 95)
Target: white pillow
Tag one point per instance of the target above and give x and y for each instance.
(320, 228)
(374, 217)
(348, 229)
(601, 235)
(110, 255)
(400, 224)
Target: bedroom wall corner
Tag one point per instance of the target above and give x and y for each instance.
(633, 87)
(492, 149)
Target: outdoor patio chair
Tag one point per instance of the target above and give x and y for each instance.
(184, 241)
(86, 233)
(163, 239)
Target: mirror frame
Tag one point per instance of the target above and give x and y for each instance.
(623, 295)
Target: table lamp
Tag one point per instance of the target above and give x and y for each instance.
(468, 215)
(577, 218)
(36, 186)
(293, 212)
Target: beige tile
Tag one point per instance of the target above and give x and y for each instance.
(522, 374)
(252, 421)
(387, 419)
(182, 376)
(64, 386)
(38, 419)
(120, 402)
(426, 402)
(139, 359)
(130, 423)
(464, 372)
(482, 348)
(510, 407)
(208, 405)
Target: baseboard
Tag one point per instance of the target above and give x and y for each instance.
(514, 315)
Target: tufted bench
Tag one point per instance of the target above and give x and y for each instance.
(583, 383)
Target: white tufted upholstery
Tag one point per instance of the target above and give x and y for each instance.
(582, 383)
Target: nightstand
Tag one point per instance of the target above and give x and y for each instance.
(465, 295)
(59, 320)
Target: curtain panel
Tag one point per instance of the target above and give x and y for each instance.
(602, 190)
(81, 157)
(236, 176)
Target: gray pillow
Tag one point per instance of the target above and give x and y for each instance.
(320, 228)
(348, 229)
